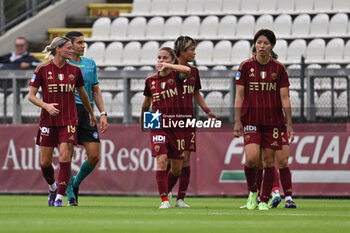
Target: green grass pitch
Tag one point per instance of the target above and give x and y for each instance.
(25, 213)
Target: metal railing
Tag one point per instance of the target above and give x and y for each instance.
(14, 12)
(323, 97)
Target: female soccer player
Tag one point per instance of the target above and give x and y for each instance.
(261, 93)
(185, 48)
(58, 119)
(164, 91)
(88, 135)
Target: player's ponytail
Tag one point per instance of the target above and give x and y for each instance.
(50, 50)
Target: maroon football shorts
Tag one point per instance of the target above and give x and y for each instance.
(265, 136)
(52, 136)
(167, 142)
(190, 139)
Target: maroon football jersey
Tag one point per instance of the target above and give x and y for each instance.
(58, 86)
(262, 83)
(189, 86)
(164, 92)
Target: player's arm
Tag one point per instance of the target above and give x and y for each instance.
(50, 108)
(287, 108)
(96, 91)
(184, 70)
(145, 107)
(86, 103)
(238, 128)
(200, 101)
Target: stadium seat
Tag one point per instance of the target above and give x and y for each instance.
(245, 27)
(209, 27)
(340, 5)
(159, 7)
(173, 27)
(202, 67)
(296, 49)
(315, 51)
(249, 6)
(96, 51)
(324, 104)
(191, 26)
(231, 6)
(334, 50)
(264, 21)
(113, 54)
(154, 28)
(117, 109)
(212, 6)
(204, 52)
(319, 25)
(148, 68)
(285, 6)
(110, 68)
(301, 25)
(167, 44)
(177, 6)
(137, 27)
(131, 53)
(227, 105)
(347, 51)
(304, 6)
(107, 101)
(295, 102)
(219, 67)
(28, 108)
(267, 6)
(322, 5)
(149, 53)
(281, 48)
(101, 28)
(227, 27)
(341, 105)
(119, 28)
(340, 83)
(240, 51)
(141, 7)
(214, 100)
(136, 102)
(338, 24)
(283, 25)
(222, 52)
(129, 68)
(195, 6)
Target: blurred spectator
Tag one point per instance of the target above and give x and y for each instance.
(20, 58)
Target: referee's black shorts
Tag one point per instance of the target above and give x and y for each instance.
(86, 132)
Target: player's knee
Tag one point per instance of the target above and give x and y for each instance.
(283, 164)
(269, 163)
(176, 171)
(45, 163)
(93, 160)
(250, 162)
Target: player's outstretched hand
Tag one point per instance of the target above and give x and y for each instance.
(211, 115)
(161, 66)
(103, 123)
(50, 108)
(238, 129)
(290, 133)
(93, 120)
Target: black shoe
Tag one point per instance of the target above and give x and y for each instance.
(72, 202)
(290, 204)
(76, 191)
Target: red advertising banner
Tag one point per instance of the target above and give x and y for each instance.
(319, 162)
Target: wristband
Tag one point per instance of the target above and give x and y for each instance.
(103, 113)
(207, 111)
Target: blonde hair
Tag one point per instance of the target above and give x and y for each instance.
(182, 43)
(50, 50)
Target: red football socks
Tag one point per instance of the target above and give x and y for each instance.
(162, 183)
(268, 180)
(63, 178)
(250, 174)
(171, 181)
(184, 181)
(48, 174)
(286, 181)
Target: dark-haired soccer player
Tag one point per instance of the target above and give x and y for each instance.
(88, 135)
(261, 94)
(58, 119)
(164, 91)
(185, 47)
